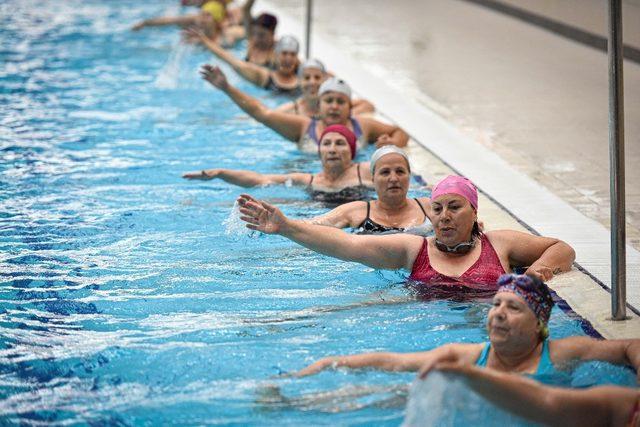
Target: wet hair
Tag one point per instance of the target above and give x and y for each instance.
(475, 231)
(266, 20)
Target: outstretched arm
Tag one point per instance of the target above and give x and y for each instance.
(252, 72)
(384, 252)
(182, 21)
(383, 134)
(462, 353)
(245, 178)
(548, 405)
(340, 217)
(290, 126)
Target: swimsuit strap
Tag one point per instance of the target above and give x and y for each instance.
(295, 106)
(484, 355)
(359, 177)
(311, 131)
(311, 180)
(368, 209)
(270, 83)
(420, 205)
(357, 130)
(545, 366)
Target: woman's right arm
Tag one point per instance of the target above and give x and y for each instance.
(406, 362)
(382, 252)
(245, 178)
(340, 217)
(252, 72)
(290, 126)
(182, 21)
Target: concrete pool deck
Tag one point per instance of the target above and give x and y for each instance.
(448, 149)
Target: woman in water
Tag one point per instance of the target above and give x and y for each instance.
(458, 255)
(392, 212)
(341, 179)
(553, 406)
(335, 108)
(518, 341)
(312, 75)
(283, 79)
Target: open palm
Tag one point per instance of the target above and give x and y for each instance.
(260, 216)
(214, 75)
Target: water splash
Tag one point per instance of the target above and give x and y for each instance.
(443, 400)
(234, 226)
(170, 73)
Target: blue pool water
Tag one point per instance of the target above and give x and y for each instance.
(130, 296)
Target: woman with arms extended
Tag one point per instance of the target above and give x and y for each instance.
(283, 78)
(392, 212)
(335, 108)
(518, 341)
(340, 180)
(458, 255)
(312, 74)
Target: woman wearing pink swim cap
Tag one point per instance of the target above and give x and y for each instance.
(458, 255)
(340, 179)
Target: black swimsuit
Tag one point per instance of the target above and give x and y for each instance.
(369, 226)
(345, 195)
(273, 86)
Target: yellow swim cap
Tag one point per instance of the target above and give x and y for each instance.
(216, 9)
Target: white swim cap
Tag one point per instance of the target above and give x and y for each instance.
(312, 63)
(383, 151)
(288, 44)
(335, 84)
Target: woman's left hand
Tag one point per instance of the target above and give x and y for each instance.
(540, 271)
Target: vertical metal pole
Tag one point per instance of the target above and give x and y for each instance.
(616, 161)
(307, 51)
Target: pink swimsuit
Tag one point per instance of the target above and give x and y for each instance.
(483, 274)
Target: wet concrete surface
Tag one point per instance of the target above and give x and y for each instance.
(533, 97)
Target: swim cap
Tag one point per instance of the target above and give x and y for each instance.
(216, 9)
(266, 20)
(344, 131)
(456, 185)
(532, 290)
(335, 84)
(287, 44)
(383, 151)
(311, 63)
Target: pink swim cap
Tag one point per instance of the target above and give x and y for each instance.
(457, 185)
(344, 131)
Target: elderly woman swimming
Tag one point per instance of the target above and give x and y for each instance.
(518, 341)
(335, 108)
(340, 180)
(458, 254)
(312, 75)
(392, 212)
(283, 79)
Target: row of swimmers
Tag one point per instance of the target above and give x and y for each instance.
(440, 239)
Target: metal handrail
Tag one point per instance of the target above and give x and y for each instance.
(616, 161)
(307, 51)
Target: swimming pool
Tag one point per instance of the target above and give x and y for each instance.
(129, 296)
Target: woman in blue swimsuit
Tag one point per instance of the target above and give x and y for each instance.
(335, 109)
(518, 341)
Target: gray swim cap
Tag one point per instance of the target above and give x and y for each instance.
(312, 63)
(335, 84)
(383, 151)
(288, 44)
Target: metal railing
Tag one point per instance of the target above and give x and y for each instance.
(309, 18)
(616, 161)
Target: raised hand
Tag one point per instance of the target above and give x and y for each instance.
(261, 216)
(214, 75)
